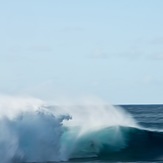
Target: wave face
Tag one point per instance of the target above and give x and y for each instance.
(31, 130)
(120, 143)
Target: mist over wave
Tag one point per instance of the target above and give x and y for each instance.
(32, 130)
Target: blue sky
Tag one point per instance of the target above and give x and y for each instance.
(111, 49)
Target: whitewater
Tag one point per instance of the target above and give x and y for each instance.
(33, 130)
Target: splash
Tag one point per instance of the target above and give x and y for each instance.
(31, 130)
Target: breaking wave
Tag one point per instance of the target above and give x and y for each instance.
(31, 130)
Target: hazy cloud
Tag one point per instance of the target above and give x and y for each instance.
(144, 49)
(17, 53)
(157, 56)
(40, 48)
(156, 41)
(99, 54)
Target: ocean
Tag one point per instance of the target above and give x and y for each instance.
(81, 133)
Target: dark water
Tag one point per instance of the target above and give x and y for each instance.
(150, 116)
(143, 145)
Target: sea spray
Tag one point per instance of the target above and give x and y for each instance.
(87, 121)
(34, 131)
(8, 142)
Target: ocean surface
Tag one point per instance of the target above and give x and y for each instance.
(80, 133)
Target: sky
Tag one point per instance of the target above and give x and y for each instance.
(111, 49)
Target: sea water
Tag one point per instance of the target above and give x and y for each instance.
(32, 130)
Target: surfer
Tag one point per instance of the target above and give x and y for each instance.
(94, 146)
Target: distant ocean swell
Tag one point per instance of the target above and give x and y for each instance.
(31, 131)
